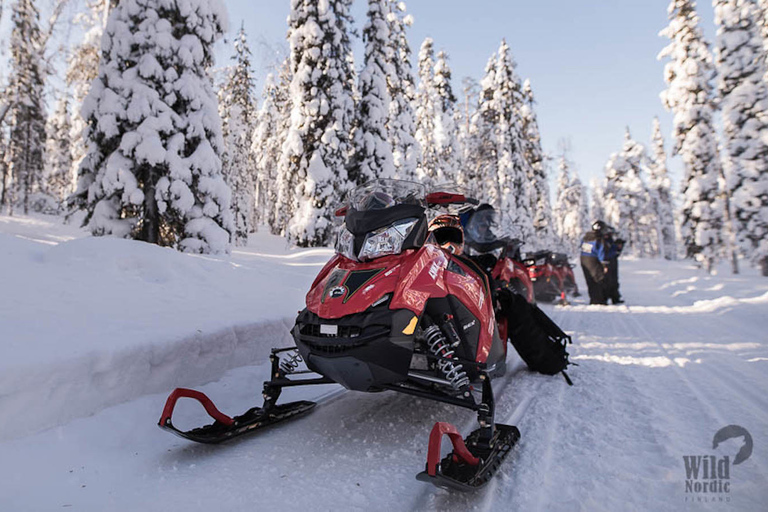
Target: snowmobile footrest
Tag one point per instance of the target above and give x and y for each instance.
(224, 428)
(472, 463)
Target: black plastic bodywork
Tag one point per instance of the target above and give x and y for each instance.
(369, 349)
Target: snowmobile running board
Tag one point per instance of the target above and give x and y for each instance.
(225, 428)
(471, 464)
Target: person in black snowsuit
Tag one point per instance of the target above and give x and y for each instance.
(594, 262)
(614, 246)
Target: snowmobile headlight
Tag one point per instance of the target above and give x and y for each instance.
(387, 240)
(345, 243)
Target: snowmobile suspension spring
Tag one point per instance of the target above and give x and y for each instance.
(438, 345)
(290, 364)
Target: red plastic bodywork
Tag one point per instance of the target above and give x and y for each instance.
(412, 277)
(507, 269)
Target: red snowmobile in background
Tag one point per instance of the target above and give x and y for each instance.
(499, 256)
(552, 276)
(392, 312)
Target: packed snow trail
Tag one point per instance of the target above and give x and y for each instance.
(656, 380)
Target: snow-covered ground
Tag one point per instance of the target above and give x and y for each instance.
(94, 333)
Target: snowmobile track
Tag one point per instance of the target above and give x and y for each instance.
(706, 405)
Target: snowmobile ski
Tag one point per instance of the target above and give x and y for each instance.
(225, 428)
(473, 462)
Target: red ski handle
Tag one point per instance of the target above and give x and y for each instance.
(460, 450)
(206, 402)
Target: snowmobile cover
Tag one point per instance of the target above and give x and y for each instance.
(538, 340)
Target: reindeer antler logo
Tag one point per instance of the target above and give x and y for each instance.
(730, 432)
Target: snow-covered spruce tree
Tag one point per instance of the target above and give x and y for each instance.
(763, 15)
(58, 155)
(661, 197)
(406, 151)
(480, 176)
(153, 169)
(465, 109)
(575, 215)
(690, 97)
(741, 65)
(322, 95)
(563, 182)
(82, 70)
(626, 199)
(446, 131)
(596, 208)
(426, 113)
(538, 186)
(237, 109)
(372, 156)
(269, 135)
(514, 204)
(27, 114)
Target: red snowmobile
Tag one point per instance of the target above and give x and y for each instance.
(499, 256)
(552, 276)
(391, 312)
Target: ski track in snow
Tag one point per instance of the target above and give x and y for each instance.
(655, 381)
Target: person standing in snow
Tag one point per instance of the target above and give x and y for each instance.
(613, 248)
(594, 262)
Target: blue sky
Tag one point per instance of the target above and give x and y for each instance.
(592, 63)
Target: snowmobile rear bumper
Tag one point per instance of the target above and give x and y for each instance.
(362, 351)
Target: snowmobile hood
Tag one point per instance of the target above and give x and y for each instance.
(406, 280)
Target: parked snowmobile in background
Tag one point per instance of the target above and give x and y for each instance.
(392, 312)
(499, 256)
(552, 276)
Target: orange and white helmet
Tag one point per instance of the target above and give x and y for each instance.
(448, 233)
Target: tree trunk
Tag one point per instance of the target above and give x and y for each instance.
(764, 266)
(151, 224)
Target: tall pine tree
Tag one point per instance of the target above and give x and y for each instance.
(446, 132)
(237, 108)
(372, 151)
(273, 192)
(58, 155)
(661, 196)
(626, 199)
(322, 93)
(743, 91)
(480, 176)
(538, 185)
(429, 171)
(690, 97)
(27, 114)
(406, 151)
(153, 167)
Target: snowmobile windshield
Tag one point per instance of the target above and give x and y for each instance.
(482, 227)
(385, 193)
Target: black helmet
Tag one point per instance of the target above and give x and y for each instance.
(598, 226)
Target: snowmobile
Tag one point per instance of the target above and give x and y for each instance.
(392, 312)
(552, 276)
(499, 256)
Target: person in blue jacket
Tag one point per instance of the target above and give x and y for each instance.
(594, 262)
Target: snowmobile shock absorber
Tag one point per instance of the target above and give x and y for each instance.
(439, 347)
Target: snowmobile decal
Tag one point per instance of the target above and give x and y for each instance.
(357, 278)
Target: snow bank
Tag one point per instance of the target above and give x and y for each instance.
(90, 322)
